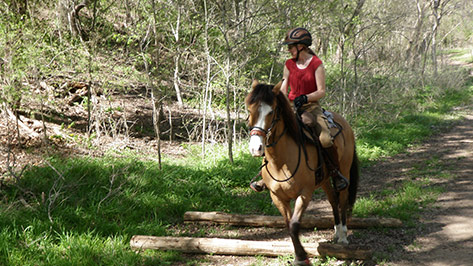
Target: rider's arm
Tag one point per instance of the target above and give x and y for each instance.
(285, 81)
(320, 80)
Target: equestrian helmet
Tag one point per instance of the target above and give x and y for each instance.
(298, 35)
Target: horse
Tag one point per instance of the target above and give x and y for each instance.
(291, 164)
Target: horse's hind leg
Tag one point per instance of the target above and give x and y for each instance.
(340, 228)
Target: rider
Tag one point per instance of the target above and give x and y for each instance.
(304, 74)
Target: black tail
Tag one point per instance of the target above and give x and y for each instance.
(354, 179)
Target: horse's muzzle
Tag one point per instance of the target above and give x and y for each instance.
(256, 146)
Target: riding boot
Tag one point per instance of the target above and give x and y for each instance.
(339, 181)
(257, 186)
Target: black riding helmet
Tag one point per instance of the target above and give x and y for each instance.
(298, 35)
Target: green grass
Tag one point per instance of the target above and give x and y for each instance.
(409, 198)
(84, 210)
(463, 55)
(403, 203)
(380, 139)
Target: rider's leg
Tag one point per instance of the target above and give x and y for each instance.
(339, 181)
(259, 185)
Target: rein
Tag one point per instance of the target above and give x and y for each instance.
(293, 174)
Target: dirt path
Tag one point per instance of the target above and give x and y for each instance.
(448, 235)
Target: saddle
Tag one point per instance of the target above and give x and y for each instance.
(311, 137)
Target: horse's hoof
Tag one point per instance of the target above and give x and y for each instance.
(305, 262)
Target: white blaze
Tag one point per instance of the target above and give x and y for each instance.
(257, 142)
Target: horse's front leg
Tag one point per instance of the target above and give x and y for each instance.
(294, 228)
(293, 225)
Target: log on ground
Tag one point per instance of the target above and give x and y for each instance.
(219, 246)
(308, 221)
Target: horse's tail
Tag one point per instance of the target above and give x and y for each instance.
(354, 179)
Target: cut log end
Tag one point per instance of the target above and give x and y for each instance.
(341, 251)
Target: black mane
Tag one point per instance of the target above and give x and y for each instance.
(261, 93)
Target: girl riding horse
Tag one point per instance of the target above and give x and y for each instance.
(304, 74)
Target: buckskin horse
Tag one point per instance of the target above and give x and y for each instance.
(291, 169)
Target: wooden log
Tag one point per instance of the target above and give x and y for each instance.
(308, 221)
(221, 246)
(346, 252)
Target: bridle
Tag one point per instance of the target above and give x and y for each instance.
(266, 133)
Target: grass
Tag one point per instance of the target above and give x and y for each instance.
(403, 203)
(84, 210)
(406, 201)
(380, 139)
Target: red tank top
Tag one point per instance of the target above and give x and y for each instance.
(302, 81)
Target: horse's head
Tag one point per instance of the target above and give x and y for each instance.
(263, 115)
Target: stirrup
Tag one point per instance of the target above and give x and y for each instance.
(257, 187)
(339, 182)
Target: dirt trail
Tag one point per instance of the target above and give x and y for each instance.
(448, 236)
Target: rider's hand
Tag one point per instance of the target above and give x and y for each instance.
(300, 100)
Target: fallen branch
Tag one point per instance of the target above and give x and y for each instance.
(24, 127)
(308, 221)
(221, 246)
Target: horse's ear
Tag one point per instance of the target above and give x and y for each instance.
(254, 84)
(277, 87)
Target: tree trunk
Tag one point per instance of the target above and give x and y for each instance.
(437, 6)
(412, 52)
(207, 82)
(218, 246)
(157, 110)
(177, 57)
(229, 120)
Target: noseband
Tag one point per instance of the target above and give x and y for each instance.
(258, 131)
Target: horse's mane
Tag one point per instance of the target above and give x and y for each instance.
(264, 93)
